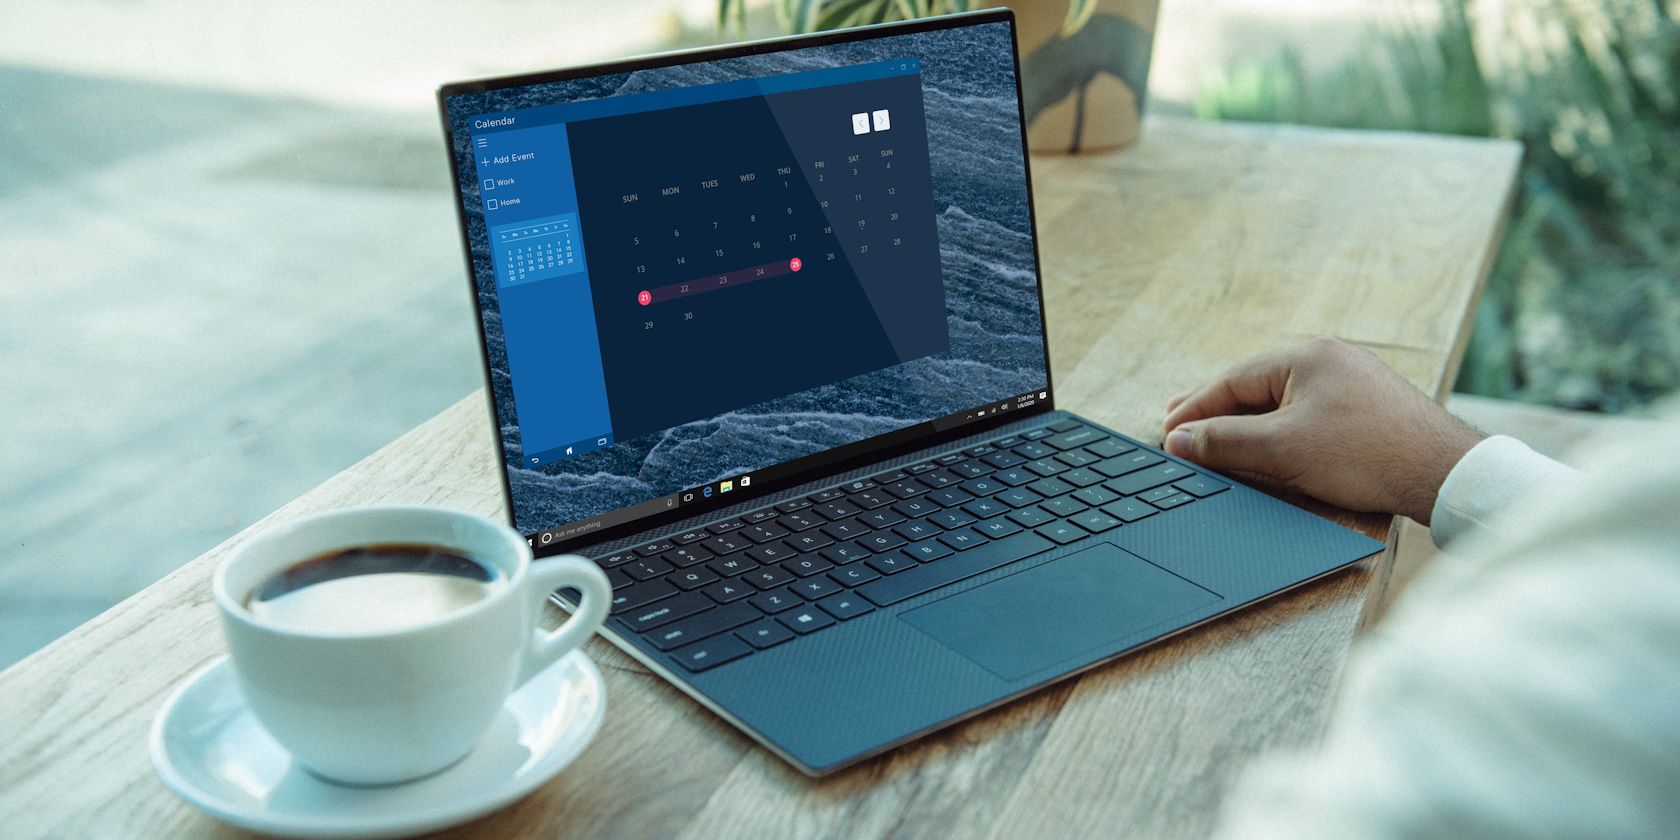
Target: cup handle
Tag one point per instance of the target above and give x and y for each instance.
(554, 573)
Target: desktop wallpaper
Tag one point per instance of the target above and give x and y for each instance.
(985, 249)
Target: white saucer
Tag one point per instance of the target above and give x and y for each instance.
(209, 749)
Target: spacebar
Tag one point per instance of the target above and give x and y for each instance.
(981, 558)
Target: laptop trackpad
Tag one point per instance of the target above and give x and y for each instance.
(1044, 616)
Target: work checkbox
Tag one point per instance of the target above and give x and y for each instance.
(489, 184)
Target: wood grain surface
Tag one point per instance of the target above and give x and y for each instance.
(1163, 264)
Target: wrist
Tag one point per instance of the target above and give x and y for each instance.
(1445, 447)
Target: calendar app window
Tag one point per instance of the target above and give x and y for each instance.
(670, 256)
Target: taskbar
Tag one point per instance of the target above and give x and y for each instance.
(740, 486)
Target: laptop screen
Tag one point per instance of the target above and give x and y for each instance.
(715, 274)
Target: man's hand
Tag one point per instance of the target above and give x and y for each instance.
(1327, 419)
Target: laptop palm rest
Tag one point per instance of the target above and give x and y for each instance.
(1032, 621)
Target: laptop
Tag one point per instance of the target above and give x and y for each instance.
(764, 333)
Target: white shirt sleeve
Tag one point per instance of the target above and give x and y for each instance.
(1486, 480)
(1526, 685)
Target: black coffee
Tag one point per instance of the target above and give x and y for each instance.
(372, 588)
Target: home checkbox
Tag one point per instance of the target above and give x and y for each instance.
(491, 204)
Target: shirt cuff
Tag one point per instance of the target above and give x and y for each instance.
(1485, 481)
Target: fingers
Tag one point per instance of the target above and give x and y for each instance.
(1252, 386)
(1242, 442)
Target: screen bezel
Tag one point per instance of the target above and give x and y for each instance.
(867, 451)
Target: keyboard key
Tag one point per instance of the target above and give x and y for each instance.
(809, 542)
(828, 495)
(813, 588)
(912, 508)
(870, 499)
(1077, 458)
(983, 486)
(765, 634)
(805, 620)
(732, 566)
(889, 477)
(939, 478)
(1201, 486)
(1067, 425)
(800, 521)
(970, 469)
(949, 498)
(1173, 501)
(656, 547)
(1018, 497)
(997, 527)
(808, 565)
(1080, 477)
(666, 610)
(1005, 443)
(917, 529)
(727, 591)
(725, 526)
(1062, 532)
(1131, 462)
(1045, 466)
(977, 451)
(711, 653)
(711, 623)
(882, 541)
(1142, 480)
(1030, 517)
(1015, 476)
(769, 577)
(619, 579)
(1036, 434)
(1075, 438)
(758, 516)
(854, 575)
(792, 505)
(764, 533)
(1048, 487)
(693, 578)
(770, 552)
(646, 569)
(1109, 447)
(858, 485)
(1004, 460)
(1129, 510)
(845, 530)
(950, 458)
(1095, 521)
(641, 595)
(1033, 450)
(962, 540)
(837, 510)
(918, 469)
(1064, 506)
(891, 564)
(618, 559)
(983, 508)
(686, 556)
(906, 488)
(1159, 493)
(928, 550)
(881, 518)
(693, 536)
(777, 600)
(845, 606)
(930, 576)
(1096, 495)
(951, 518)
(846, 552)
(726, 544)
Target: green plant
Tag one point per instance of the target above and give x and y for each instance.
(1583, 305)
(818, 15)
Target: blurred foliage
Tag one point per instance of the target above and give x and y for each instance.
(1583, 306)
(819, 15)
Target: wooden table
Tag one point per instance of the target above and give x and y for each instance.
(1163, 264)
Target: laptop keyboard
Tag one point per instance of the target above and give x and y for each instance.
(715, 594)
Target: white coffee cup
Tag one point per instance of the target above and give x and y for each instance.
(381, 707)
